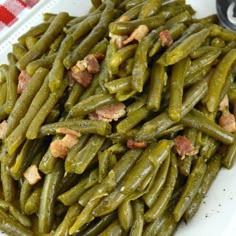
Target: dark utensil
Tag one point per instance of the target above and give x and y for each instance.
(226, 10)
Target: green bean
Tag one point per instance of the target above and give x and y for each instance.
(175, 32)
(182, 17)
(73, 152)
(230, 155)
(86, 154)
(184, 48)
(45, 62)
(3, 92)
(191, 188)
(11, 227)
(73, 98)
(140, 69)
(40, 117)
(178, 74)
(68, 220)
(91, 104)
(160, 204)
(218, 80)
(70, 197)
(125, 215)
(97, 33)
(34, 31)
(157, 83)
(30, 42)
(118, 171)
(120, 56)
(56, 74)
(32, 203)
(152, 157)
(209, 127)
(12, 82)
(138, 103)
(168, 227)
(100, 47)
(132, 3)
(103, 164)
(125, 28)
(54, 29)
(47, 201)
(8, 184)
(213, 168)
(94, 230)
(17, 136)
(4, 68)
(117, 85)
(18, 50)
(137, 227)
(225, 34)
(161, 122)
(24, 101)
(154, 190)
(113, 229)
(21, 218)
(150, 8)
(122, 96)
(133, 12)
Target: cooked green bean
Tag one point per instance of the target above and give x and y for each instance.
(18, 50)
(54, 29)
(113, 229)
(24, 101)
(150, 8)
(125, 215)
(4, 68)
(191, 188)
(160, 204)
(32, 203)
(157, 82)
(47, 201)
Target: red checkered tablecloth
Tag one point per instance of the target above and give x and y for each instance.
(11, 9)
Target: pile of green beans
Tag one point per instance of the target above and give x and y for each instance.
(104, 186)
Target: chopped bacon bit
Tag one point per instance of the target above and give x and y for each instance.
(92, 64)
(136, 145)
(138, 34)
(60, 148)
(63, 130)
(227, 121)
(165, 38)
(23, 80)
(84, 78)
(32, 175)
(184, 146)
(83, 71)
(224, 104)
(109, 113)
(3, 127)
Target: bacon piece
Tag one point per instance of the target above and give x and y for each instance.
(224, 104)
(84, 78)
(138, 34)
(92, 64)
(23, 80)
(227, 121)
(3, 127)
(109, 113)
(184, 146)
(165, 38)
(118, 40)
(136, 145)
(60, 148)
(32, 175)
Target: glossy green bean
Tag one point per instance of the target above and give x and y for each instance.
(21, 218)
(32, 203)
(100, 47)
(42, 45)
(47, 201)
(154, 190)
(218, 80)
(230, 155)
(18, 50)
(113, 229)
(178, 73)
(213, 168)
(117, 85)
(4, 68)
(225, 34)
(207, 126)
(125, 215)
(90, 104)
(30, 42)
(12, 82)
(24, 101)
(191, 188)
(150, 8)
(184, 48)
(160, 204)
(161, 122)
(157, 82)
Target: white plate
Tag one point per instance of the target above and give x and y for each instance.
(217, 215)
